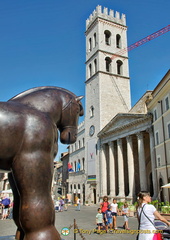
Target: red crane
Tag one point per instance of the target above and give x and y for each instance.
(142, 41)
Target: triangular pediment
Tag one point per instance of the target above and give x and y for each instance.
(123, 120)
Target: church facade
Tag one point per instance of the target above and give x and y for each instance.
(115, 151)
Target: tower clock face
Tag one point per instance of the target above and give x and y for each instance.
(91, 130)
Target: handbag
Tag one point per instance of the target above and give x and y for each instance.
(157, 236)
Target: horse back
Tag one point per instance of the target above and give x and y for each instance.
(21, 126)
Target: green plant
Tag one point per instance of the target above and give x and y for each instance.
(167, 203)
(120, 204)
(160, 205)
(132, 208)
(165, 209)
(155, 203)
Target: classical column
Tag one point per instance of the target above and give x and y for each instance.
(120, 169)
(112, 169)
(81, 194)
(131, 168)
(142, 165)
(103, 171)
(70, 191)
(153, 163)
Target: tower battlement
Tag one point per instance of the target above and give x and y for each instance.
(108, 15)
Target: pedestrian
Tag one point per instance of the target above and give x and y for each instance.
(10, 216)
(61, 204)
(78, 204)
(57, 205)
(104, 207)
(66, 204)
(99, 220)
(109, 219)
(146, 214)
(114, 210)
(5, 206)
(125, 213)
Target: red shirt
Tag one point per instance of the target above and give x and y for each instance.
(104, 206)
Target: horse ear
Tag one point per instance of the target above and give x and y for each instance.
(79, 98)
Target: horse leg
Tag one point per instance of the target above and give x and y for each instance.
(19, 233)
(33, 175)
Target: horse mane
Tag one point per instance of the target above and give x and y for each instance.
(32, 90)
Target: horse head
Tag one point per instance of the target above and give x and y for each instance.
(63, 107)
(69, 120)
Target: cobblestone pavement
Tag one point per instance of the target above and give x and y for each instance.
(85, 220)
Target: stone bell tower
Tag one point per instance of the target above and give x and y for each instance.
(107, 78)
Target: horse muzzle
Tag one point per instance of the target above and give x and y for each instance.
(68, 135)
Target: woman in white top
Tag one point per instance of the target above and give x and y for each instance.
(146, 215)
(114, 209)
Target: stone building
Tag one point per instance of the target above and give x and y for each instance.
(4, 183)
(65, 159)
(115, 153)
(159, 106)
(107, 93)
(107, 85)
(56, 190)
(126, 144)
(77, 176)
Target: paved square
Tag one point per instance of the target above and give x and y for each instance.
(85, 220)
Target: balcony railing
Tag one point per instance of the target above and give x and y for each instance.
(81, 172)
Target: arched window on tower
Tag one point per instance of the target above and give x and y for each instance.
(108, 64)
(83, 163)
(118, 41)
(107, 37)
(90, 45)
(95, 65)
(94, 40)
(91, 111)
(90, 70)
(119, 67)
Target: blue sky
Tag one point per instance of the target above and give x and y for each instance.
(42, 43)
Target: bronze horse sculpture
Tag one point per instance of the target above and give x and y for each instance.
(29, 124)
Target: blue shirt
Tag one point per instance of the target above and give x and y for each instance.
(108, 214)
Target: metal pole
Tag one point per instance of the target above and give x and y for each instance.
(74, 229)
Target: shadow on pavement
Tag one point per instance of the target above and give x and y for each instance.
(12, 237)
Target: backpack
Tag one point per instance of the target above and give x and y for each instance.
(5, 201)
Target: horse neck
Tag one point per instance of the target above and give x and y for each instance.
(49, 101)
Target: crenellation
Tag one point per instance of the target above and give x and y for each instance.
(105, 11)
(111, 13)
(117, 15)
(99, 9)
(94, 13)
(123, 18)
(91, 17)
(108, 15)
